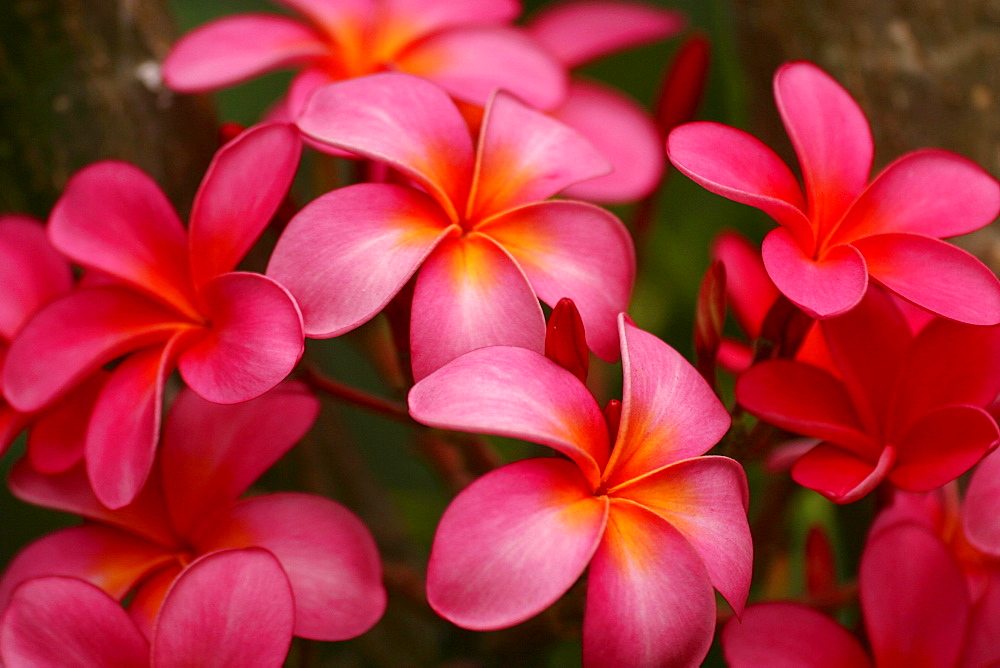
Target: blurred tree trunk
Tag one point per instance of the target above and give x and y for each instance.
(926, 72)
(79, 82)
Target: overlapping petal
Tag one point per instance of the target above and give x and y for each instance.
(32, 272)
(426, 16)
(982, 506)
(841, 475)
(324, 257)
(57, 436)
(512, 543)
(575, 250)
(752, 293)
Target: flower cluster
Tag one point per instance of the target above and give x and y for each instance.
(161, 369)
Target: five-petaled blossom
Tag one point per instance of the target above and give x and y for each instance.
(658, 524)
(486, 245)
(190, 508)
(171, 299)
(897, 405)
(467, 47)
(846, 229)
(229, 608)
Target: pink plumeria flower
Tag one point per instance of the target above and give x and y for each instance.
(465, 46)
(232, 608)
(483, 243)
(658, 524)
(190, 508)
(899, 406)
(174, 301)
(847, 230)
(578, 32)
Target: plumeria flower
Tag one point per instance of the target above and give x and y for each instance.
(615, 123)
(231, 608)
(465, 46)
(899, 406)
(847, 230)
(476, 231)
(658, 524)
(173, 301)
(190, 508)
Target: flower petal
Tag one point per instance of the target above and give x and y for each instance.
(233, 49)
(32, 272)
(57, 437)
(669, 412)
(960, 288)
(230, 608)
(731, 163)
(112, 217)
(982, 506)
(402, 120)
(57, 621)
(831, 137)
(254, 340)
(525, 157)
(609, 26)
(512, 543)
(517, 393)
(979, 648)
(649, 599)
(822, 288)
(784, 635)
(576, 250)
(930, 193)
(915, 609)
(328, 554)
(750, 290)
(211, 453)
(473, 290)
(423, 17)
(243, 187)
(325, 256)
(331, 14)
(841, 475)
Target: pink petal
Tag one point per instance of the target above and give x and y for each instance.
(330, 15)
(623, 132)
(305, 83)
(960, 288)
(108, 558)
(930, 193)
(609, 26)
(76, 334)
(751, 292)
(253, 341)
(512, 543)
(473, 290)
(981, 648)
(212, 453)
(669, 412)
(575, 250)
(841, 475)
(943, 446)
(423, 17)
(401, 120)
(144, 603)
(516, 393)
(824, 287)
(243, 187)
(32, 272)
(649, 600)
(831, 137)
(12, 423)
(731, 163)
(915, 608)
(982, 506)
(231, 608)
(114, 218)
(470, 63)
(56, 440)
(233, 49)
(325, 256)
(328, 554)
(786, 635)
(705, 499)
(56, 621)
(525, 157)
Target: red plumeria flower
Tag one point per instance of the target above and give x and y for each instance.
(231, 608)
(174, 301)
(465, 46)
(190, 508)
(846, 229)
(658, 524)
(581, 31)
(899, 406)
(486, 245)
